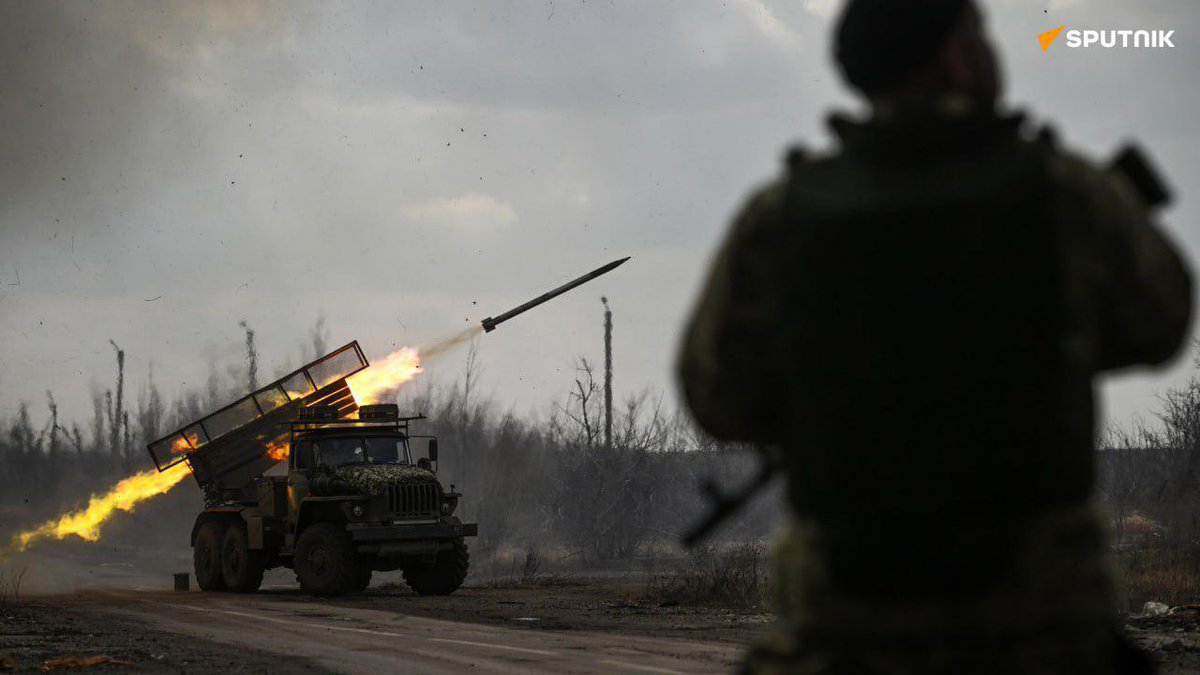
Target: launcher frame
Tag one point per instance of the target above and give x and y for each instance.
(227, 449)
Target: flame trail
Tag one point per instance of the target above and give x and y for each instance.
(375, 383)
(125, 496)
(371, 385)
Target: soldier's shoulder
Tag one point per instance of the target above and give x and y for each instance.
(769, 199)
(1090, 198)
(1070, 169)
(758, 211)
(1075, 175)
(768, 196)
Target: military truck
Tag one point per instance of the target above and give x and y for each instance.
(351, 502)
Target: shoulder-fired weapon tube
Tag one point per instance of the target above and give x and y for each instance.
(490, 323)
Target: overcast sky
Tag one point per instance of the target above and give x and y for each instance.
(405, 168)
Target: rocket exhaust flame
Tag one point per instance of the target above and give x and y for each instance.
(384, 375)
(278, 449)
(85, 522)
(375, 383)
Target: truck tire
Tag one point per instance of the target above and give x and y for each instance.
(206, 556)
(445, 575)
(241, 568)
(324, 560)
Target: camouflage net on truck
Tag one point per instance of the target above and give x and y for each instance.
(373, 479)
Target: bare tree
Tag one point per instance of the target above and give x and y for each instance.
(1152, 470)
(54, 427)
(318, 338)
(97, 417)
(150, 410)
(581, 414)
(251, 356)
(116, 407)
(608, 374)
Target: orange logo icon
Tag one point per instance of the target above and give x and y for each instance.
(1049, 37)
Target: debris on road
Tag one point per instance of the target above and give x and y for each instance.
(75, 662)
(1155, 609)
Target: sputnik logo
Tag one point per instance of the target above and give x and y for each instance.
(1049, 37)
(1109, 39)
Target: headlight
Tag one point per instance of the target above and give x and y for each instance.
(357, 511)
(446, 508)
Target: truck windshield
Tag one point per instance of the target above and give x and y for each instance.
(387, 450)
(375, 450)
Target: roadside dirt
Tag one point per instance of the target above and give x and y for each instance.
(1173, 639)
(34, 633)
(612, 604)
(617, 603)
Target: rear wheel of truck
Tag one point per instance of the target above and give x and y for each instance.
(206, 557)
(445, 575)
(241, 568)
(324, 560)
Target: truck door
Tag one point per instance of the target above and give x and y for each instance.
(300, 463)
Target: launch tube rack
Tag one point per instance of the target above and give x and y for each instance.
(228, 450)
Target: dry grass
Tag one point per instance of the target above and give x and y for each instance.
(1158, 574)
(1139, 528)
(10, 584)
(734, 576)
(523, 570)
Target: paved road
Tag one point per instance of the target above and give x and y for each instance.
(357, 640)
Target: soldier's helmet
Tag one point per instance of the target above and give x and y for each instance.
(880, 42)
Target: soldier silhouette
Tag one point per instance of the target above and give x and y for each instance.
(915, 322)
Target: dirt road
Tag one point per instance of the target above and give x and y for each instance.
(592, 624)
(347, 638)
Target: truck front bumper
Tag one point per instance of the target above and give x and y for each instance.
(414, 531)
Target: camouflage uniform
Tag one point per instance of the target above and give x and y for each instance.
(915, 323)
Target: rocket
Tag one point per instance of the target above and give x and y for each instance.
(490, 323)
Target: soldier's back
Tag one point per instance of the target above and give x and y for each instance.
(923, 312)
(934, 338)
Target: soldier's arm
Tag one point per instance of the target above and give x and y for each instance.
(729, 363)
(1144, 303)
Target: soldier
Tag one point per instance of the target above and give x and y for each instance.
(914, 323)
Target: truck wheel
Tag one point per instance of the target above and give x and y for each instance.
(241, 568)
(325, 560)
(445, 575)
(206, 556)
